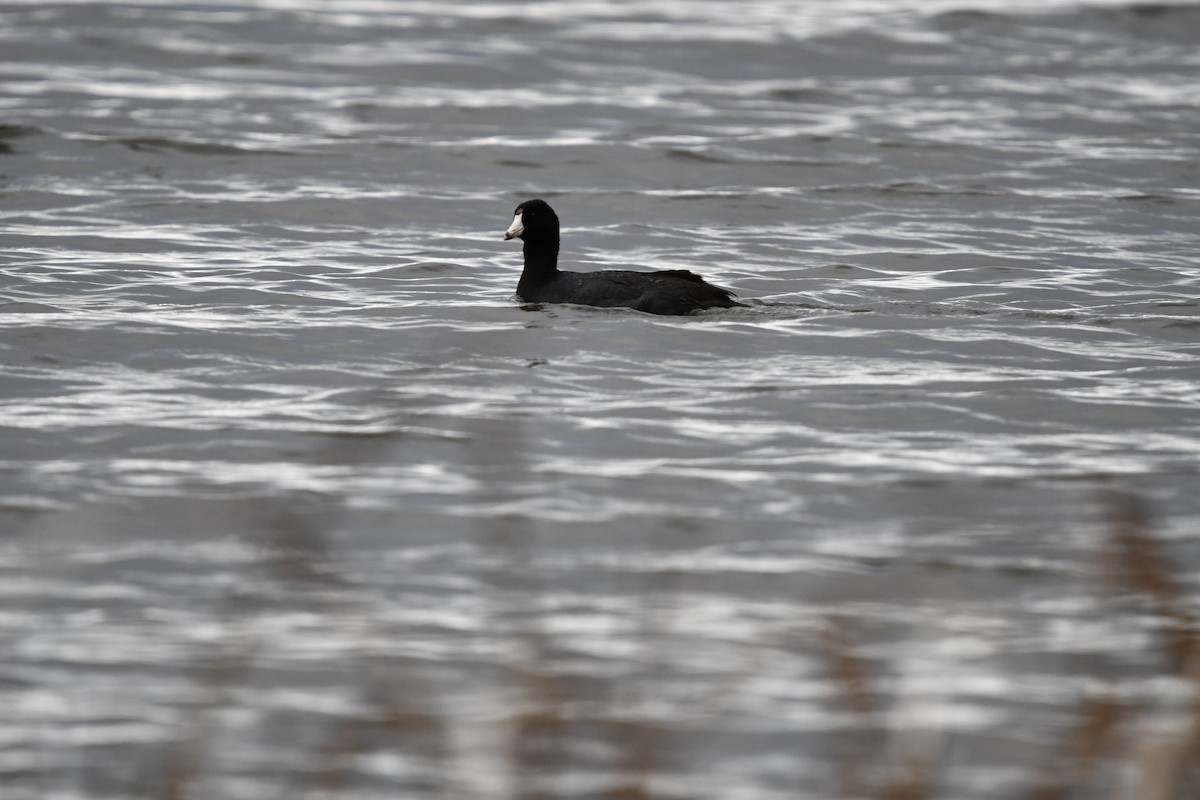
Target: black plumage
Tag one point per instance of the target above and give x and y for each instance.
(669, 291)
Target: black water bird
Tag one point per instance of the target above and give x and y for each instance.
(668, 291)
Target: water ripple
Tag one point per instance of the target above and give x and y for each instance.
(289, 479)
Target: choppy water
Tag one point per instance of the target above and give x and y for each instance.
(297, 500)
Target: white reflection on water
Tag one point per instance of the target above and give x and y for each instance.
(289, 479)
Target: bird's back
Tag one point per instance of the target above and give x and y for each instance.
(671, 291)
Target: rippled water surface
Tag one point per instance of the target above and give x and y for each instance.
(298, 500)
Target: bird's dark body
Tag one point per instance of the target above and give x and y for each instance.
(671, 291)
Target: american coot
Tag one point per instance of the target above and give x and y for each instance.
(668, 291)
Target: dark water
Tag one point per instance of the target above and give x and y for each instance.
(298, 501)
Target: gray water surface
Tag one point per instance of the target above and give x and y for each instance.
(297, 499)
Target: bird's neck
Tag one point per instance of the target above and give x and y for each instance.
(541, 261)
